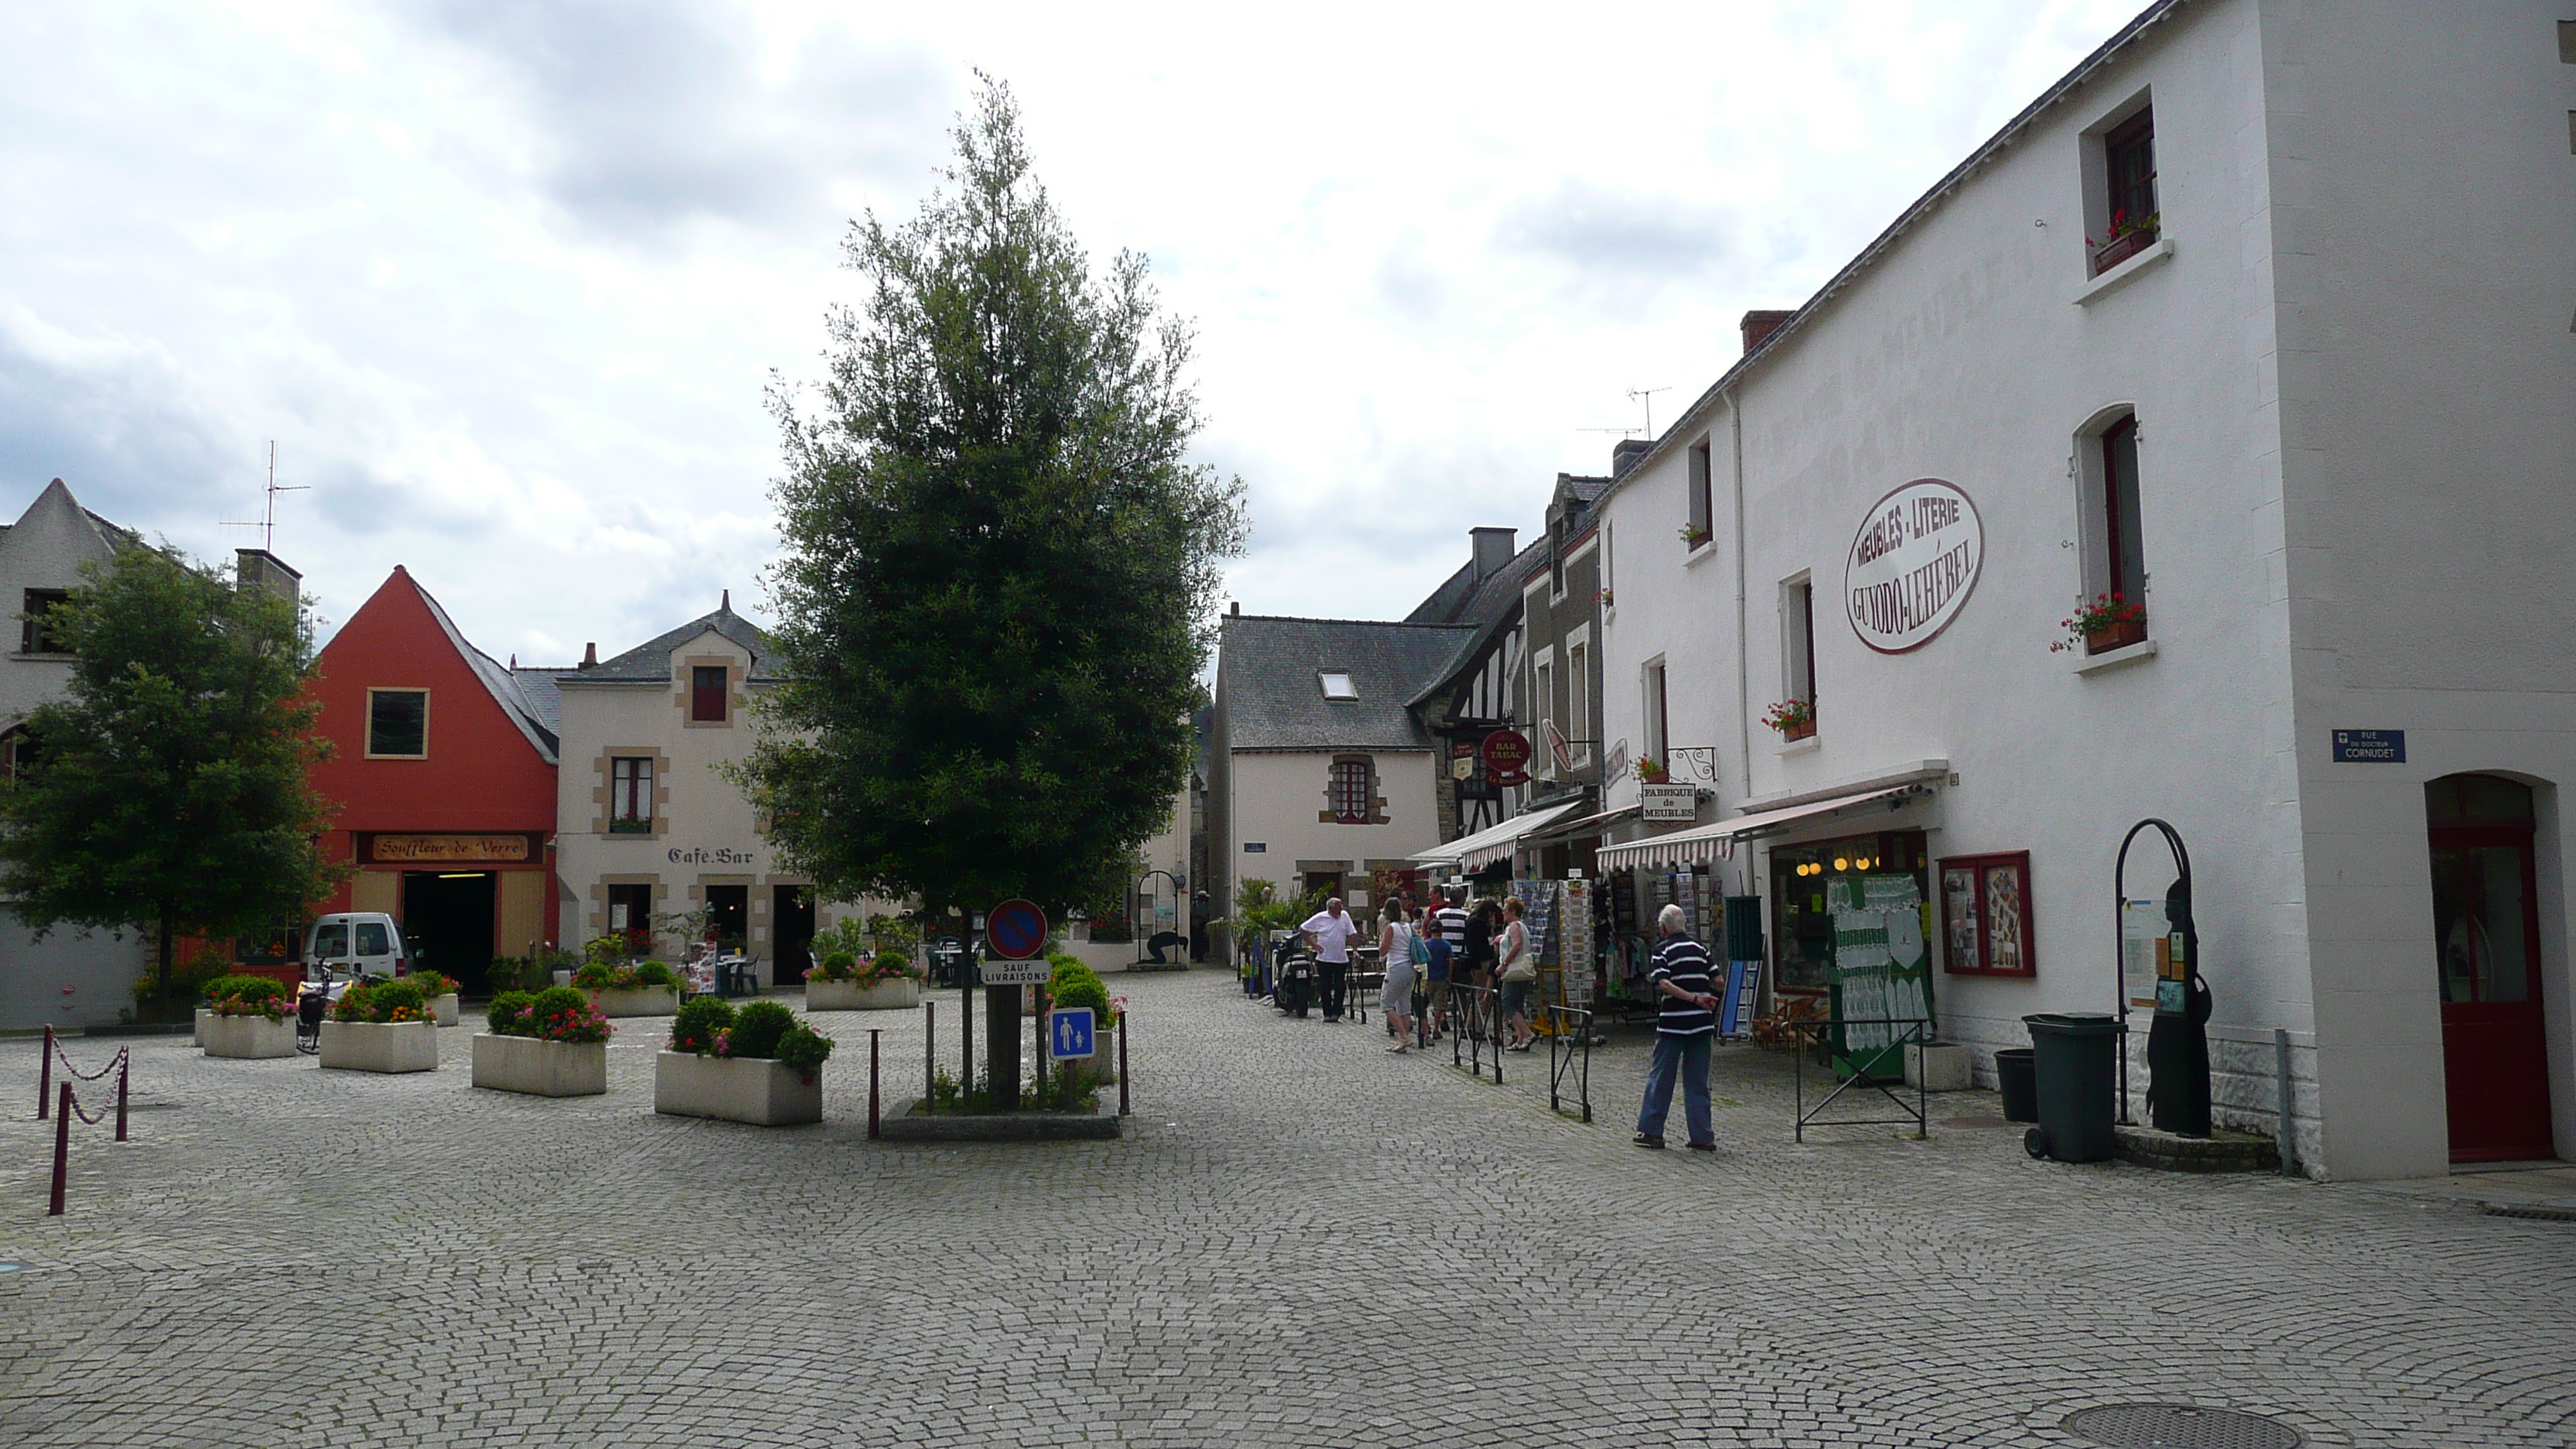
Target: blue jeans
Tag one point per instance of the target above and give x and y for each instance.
(1686, 1056)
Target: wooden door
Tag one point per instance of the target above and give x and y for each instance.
(2486, 933)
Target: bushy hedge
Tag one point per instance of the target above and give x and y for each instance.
(1075, 984)
(433, 984)
(384, 1001)
(558, 1013)
(700, 1021)
(762, 1029)
(246, 996)
(624, 976)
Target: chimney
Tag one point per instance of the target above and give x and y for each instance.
(590, 656)
(1491, 548)
(725, 604)
(1237, 610)
(1759, 325)
(1625, 453)
(257, 568)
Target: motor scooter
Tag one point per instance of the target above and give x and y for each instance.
(321, 987)
(1294, 990)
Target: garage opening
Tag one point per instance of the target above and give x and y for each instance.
(447, 921)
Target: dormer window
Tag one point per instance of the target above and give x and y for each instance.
(1338, 687)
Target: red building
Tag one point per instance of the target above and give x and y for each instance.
(442, 780)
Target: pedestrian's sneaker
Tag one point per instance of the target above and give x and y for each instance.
(1703, 1147)
(1645, 1139)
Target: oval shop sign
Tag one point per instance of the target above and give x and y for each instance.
(1912, 565)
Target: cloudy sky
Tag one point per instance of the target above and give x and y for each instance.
(504, 280)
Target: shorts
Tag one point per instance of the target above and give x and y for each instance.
(1397, 999)
(1516, 995)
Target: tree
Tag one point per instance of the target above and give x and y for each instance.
(1000, 575)
(169, 784)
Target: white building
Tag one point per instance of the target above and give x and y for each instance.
(69, 976)
(2316, 410)
(645, 826)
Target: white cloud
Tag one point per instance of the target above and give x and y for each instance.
(506, 281)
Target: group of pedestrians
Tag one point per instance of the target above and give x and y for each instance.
(1428, 953)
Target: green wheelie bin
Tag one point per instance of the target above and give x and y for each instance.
(2074, 1056)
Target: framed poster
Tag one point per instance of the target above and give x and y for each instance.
(1986, 917)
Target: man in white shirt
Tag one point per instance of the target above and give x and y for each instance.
(1329, 933)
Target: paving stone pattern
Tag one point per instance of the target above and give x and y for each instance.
(1303, 1240)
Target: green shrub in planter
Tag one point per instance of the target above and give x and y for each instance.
(655, 973)
(837, 966)
(509, 1012)
(246, 996)
(804, 1048)
(700, 1019)
(757, 1028)
(433, 984)
(388, 1001)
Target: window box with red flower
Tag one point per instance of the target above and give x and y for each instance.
(2101, 624)
(1795, 719)
(2128, 238)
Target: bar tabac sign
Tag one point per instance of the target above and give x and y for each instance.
(446, 849)
(1912, 565)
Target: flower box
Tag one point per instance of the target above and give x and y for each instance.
(1802, 730)
(540, 1068)
(900, 994)
(444, 1009)
(2120, 248)
(246, 1036)
(380, 1046)
(756, 1090)
(2116, 636)
(637, 1001)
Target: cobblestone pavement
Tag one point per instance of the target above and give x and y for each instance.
(1303, 1240)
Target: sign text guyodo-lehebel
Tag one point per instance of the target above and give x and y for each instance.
(1913, 562)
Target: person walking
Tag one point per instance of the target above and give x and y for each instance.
(1517, 965)
(1396, 947)
(1683, 1028)
(1448, 927)
(1437, 958)
(1329, 933)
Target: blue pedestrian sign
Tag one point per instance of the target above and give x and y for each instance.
(1069, 1033)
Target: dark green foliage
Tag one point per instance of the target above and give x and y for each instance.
(509, 1013)
(655, 973)
(757, 1028)
(392, 996)
(561, 998)
(169, 785)
(396, 1000)
(700, 1018)
(1001, 574)
(804, 1048)
(1078, 985)
(244, 988)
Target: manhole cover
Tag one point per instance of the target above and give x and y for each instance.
(2179, 1426)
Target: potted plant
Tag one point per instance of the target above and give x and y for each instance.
(2129, 236)
(246, 1016)
(553, 1043)
(2103, 622)
(439, 990)
(882, 982)
(385, 1027)
(1603, 598)
(759, 1065)
(1795, 719)
(1652, 771)
(622, 987)
(1693, 535)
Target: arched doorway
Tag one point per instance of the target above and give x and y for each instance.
(2486, 936)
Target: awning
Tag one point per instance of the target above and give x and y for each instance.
(1588, 825)
(1494, 842)
(1706, 842)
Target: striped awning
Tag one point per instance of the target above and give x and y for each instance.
(1705, 843)
(1494, 842)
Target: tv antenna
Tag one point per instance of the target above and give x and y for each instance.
(1646, 395)
(267, 526)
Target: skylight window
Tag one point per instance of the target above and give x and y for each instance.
(1338, 686)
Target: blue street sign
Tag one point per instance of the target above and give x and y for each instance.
(1016, 930)
(2370, 747)
(1071, 1034)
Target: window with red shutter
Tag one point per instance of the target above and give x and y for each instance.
(707, 694)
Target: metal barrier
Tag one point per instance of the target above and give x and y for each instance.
(59, 1102)
(1568, 1056)
(1914, 1030)
(1475, 1029)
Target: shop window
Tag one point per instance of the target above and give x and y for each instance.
(708, 686)
(630, 794)
(2124, 219)
(397, 724)
(1985, 914)
(1803, 878)
(1702, 526)
(1354, 791)
(33, 637)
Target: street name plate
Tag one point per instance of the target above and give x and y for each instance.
(1014, 973)
(2370, 747)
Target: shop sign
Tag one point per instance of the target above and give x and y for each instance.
(1507, 757)
(447, 849)
(700, 855)
(1912, 565)
(2370, 747)
(1669, 804)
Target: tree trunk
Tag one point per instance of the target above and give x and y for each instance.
(1002, 1045)
(169, 928)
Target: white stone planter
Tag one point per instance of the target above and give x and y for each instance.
(897, 995)
(540, 1068)
(445, 1008)
(246, 1036)
(642, 1001)
(763, 1093)
(379, 1046)
(1938, 1067)
(202, 1016)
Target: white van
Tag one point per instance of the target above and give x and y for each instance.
(350, 944)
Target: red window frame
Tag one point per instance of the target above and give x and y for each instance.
(708, 686)
(1968, 947)
(1354, 789)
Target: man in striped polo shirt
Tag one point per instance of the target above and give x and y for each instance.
(1687, 1022)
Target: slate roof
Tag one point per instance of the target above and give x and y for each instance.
(1267, 667)
(1494, 607)
(538, 685)
(539, 727)
(650, 661)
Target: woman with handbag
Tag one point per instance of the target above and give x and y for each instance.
(1519, 974)
(1395, 947)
